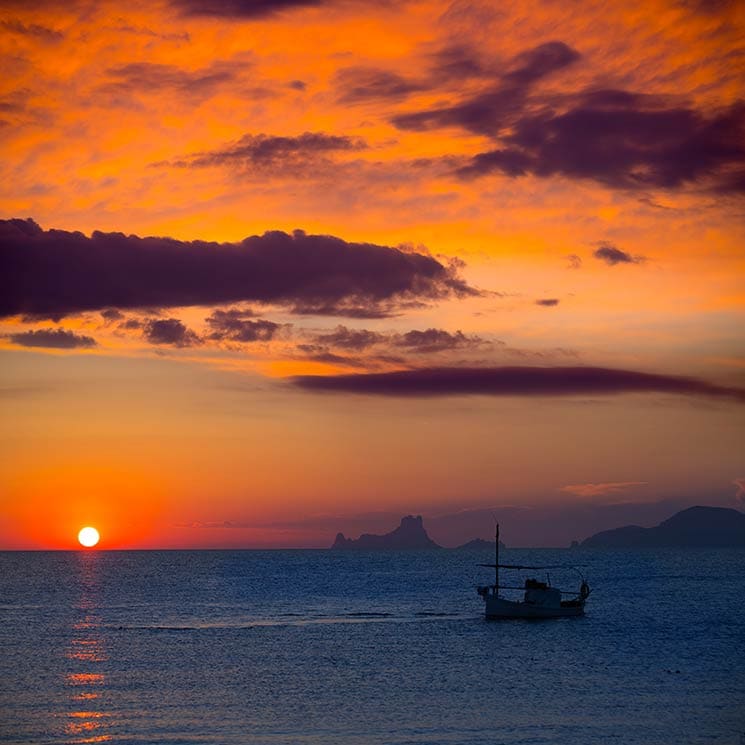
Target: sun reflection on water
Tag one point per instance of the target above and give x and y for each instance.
(87, 722)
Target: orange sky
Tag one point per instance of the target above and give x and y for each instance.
(582, 165)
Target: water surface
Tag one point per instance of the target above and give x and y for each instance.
(361, 648)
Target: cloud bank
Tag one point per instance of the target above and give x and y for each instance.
(513, 381)
(52, 339)
(53, 273)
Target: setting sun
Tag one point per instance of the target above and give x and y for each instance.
(88, 537)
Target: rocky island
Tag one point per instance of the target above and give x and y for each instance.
(410, 534)
(696, 527)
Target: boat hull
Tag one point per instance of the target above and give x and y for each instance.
(497, 608)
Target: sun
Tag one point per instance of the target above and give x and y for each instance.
(88, 537)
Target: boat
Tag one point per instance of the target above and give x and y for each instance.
(540, 599)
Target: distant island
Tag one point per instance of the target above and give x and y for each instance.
(696, 527)
(409, 535)
(479, 544)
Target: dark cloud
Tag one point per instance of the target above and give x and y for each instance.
(348, 309)
(612, 255)
(112, 314)
(236, 325)
(43, 33)
(356, 84)
(144, 31)
(355, 339)
(320, 353)
(55, 272)
(52, 339)
(514, 381)
(541, 61)
(272, 152)
(435, 340)
(547, 302)
(169, 331)
(575, 262)
(137, 77)
(619, 138)
(624, 141)
(248, 9)
(298, 85)
(490, 111)
(456, 62)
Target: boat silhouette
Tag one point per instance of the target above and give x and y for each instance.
(540, 599)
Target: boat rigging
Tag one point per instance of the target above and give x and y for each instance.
(540, 600)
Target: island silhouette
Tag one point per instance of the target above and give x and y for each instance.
(409, 535)
(695, 527)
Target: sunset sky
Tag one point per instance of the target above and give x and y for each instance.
(271, 269)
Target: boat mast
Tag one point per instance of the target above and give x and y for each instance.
(496, 561)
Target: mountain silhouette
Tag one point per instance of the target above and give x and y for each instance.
(716, 527)
(410, 534)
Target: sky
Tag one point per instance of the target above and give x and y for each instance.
(274, 269)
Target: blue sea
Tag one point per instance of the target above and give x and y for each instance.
(273, 647)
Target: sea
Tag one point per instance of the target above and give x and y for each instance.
(324, 647)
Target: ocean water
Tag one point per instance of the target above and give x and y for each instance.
(359, 648)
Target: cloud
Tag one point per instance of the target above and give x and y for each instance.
(138, 77)
(355, 339)
(575, 262)
(541, 61)
(357, 84)
(514, 381)
(112, 314)
(616, 137)
(622, 140)
(740, 493)
(52, 339)
(272, 153)
(547, 302)
(435, 340)
(55, 272)
(597, 490)
(248, 9)
(169, 331)
(456, 62)
(43, 33)
(613, 255)
(320, 353)
(419, 342)
(236, 325)
(488, 112)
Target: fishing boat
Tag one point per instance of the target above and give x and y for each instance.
(540, 599)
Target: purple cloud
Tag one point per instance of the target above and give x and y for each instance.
(547, 302)
(43, 33)
(357, 84)
(273, 152)
(514, 381)
(355, 339)
(622, 140)
(52, 339)
(248, 9)
(54, 272)
(613, 255)
(171, 332)
(236, 325)
(435, 340)
(489, 111)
